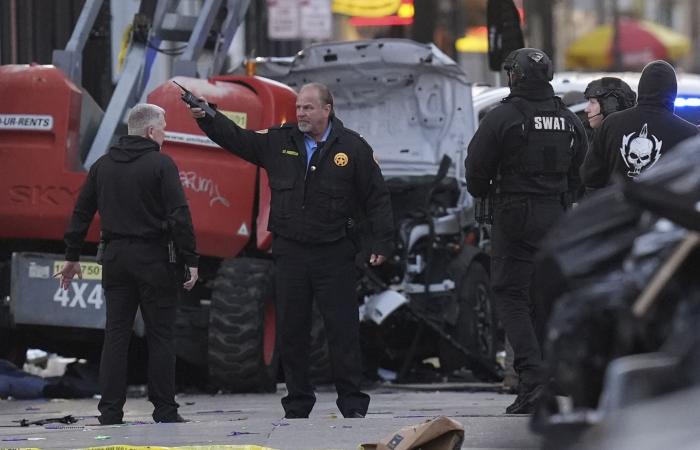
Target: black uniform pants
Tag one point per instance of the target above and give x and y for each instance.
(519, 223)
(326, 273)
(137, 274)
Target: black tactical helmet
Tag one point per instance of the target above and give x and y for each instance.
(612, 93)
(528, 64)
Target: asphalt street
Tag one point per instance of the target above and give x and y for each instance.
(256, 419)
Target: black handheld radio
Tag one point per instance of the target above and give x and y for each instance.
(189, 98)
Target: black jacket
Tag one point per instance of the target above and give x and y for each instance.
(138, 193)
(315, 205)
(632, 140)
(500, 136)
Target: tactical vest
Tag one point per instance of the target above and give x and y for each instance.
(548, 137)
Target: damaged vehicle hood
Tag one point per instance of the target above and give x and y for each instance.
(410, 101)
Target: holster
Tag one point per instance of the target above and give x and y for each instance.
(99, 257)
(172, 252)
(483, 210)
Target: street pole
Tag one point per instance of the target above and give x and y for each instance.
(540, 28)
(695, 34)
(666, 12)
(617, 54)
(424, 21)
(456, 26)
(600, 11)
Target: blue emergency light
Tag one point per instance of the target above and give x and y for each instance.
(692, 102)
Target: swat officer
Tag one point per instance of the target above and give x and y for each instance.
(526, 155)
(605, 96)
(142, 207)
(321, 174)
(631, 141)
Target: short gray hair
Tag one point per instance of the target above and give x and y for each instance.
(324, 94)
(143, 116)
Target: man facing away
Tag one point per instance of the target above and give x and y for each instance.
(142, 206)
(525, 156)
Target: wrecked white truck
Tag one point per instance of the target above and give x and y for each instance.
(431, 302)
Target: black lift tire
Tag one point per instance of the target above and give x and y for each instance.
(476, 327)
(242, 351)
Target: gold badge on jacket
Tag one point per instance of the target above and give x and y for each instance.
(340, 159)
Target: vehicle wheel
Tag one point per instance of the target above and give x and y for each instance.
(477, 323)
(320, 371)
(242, 352)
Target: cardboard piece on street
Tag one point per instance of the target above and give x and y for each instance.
(441, 433)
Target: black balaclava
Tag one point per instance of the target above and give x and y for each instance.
(658, 85)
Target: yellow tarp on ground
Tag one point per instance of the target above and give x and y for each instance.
(189, 447)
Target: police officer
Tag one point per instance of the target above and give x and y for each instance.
(321, 174)
(631, 141)
(142, 206)
(525, 154)
(605, 96)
